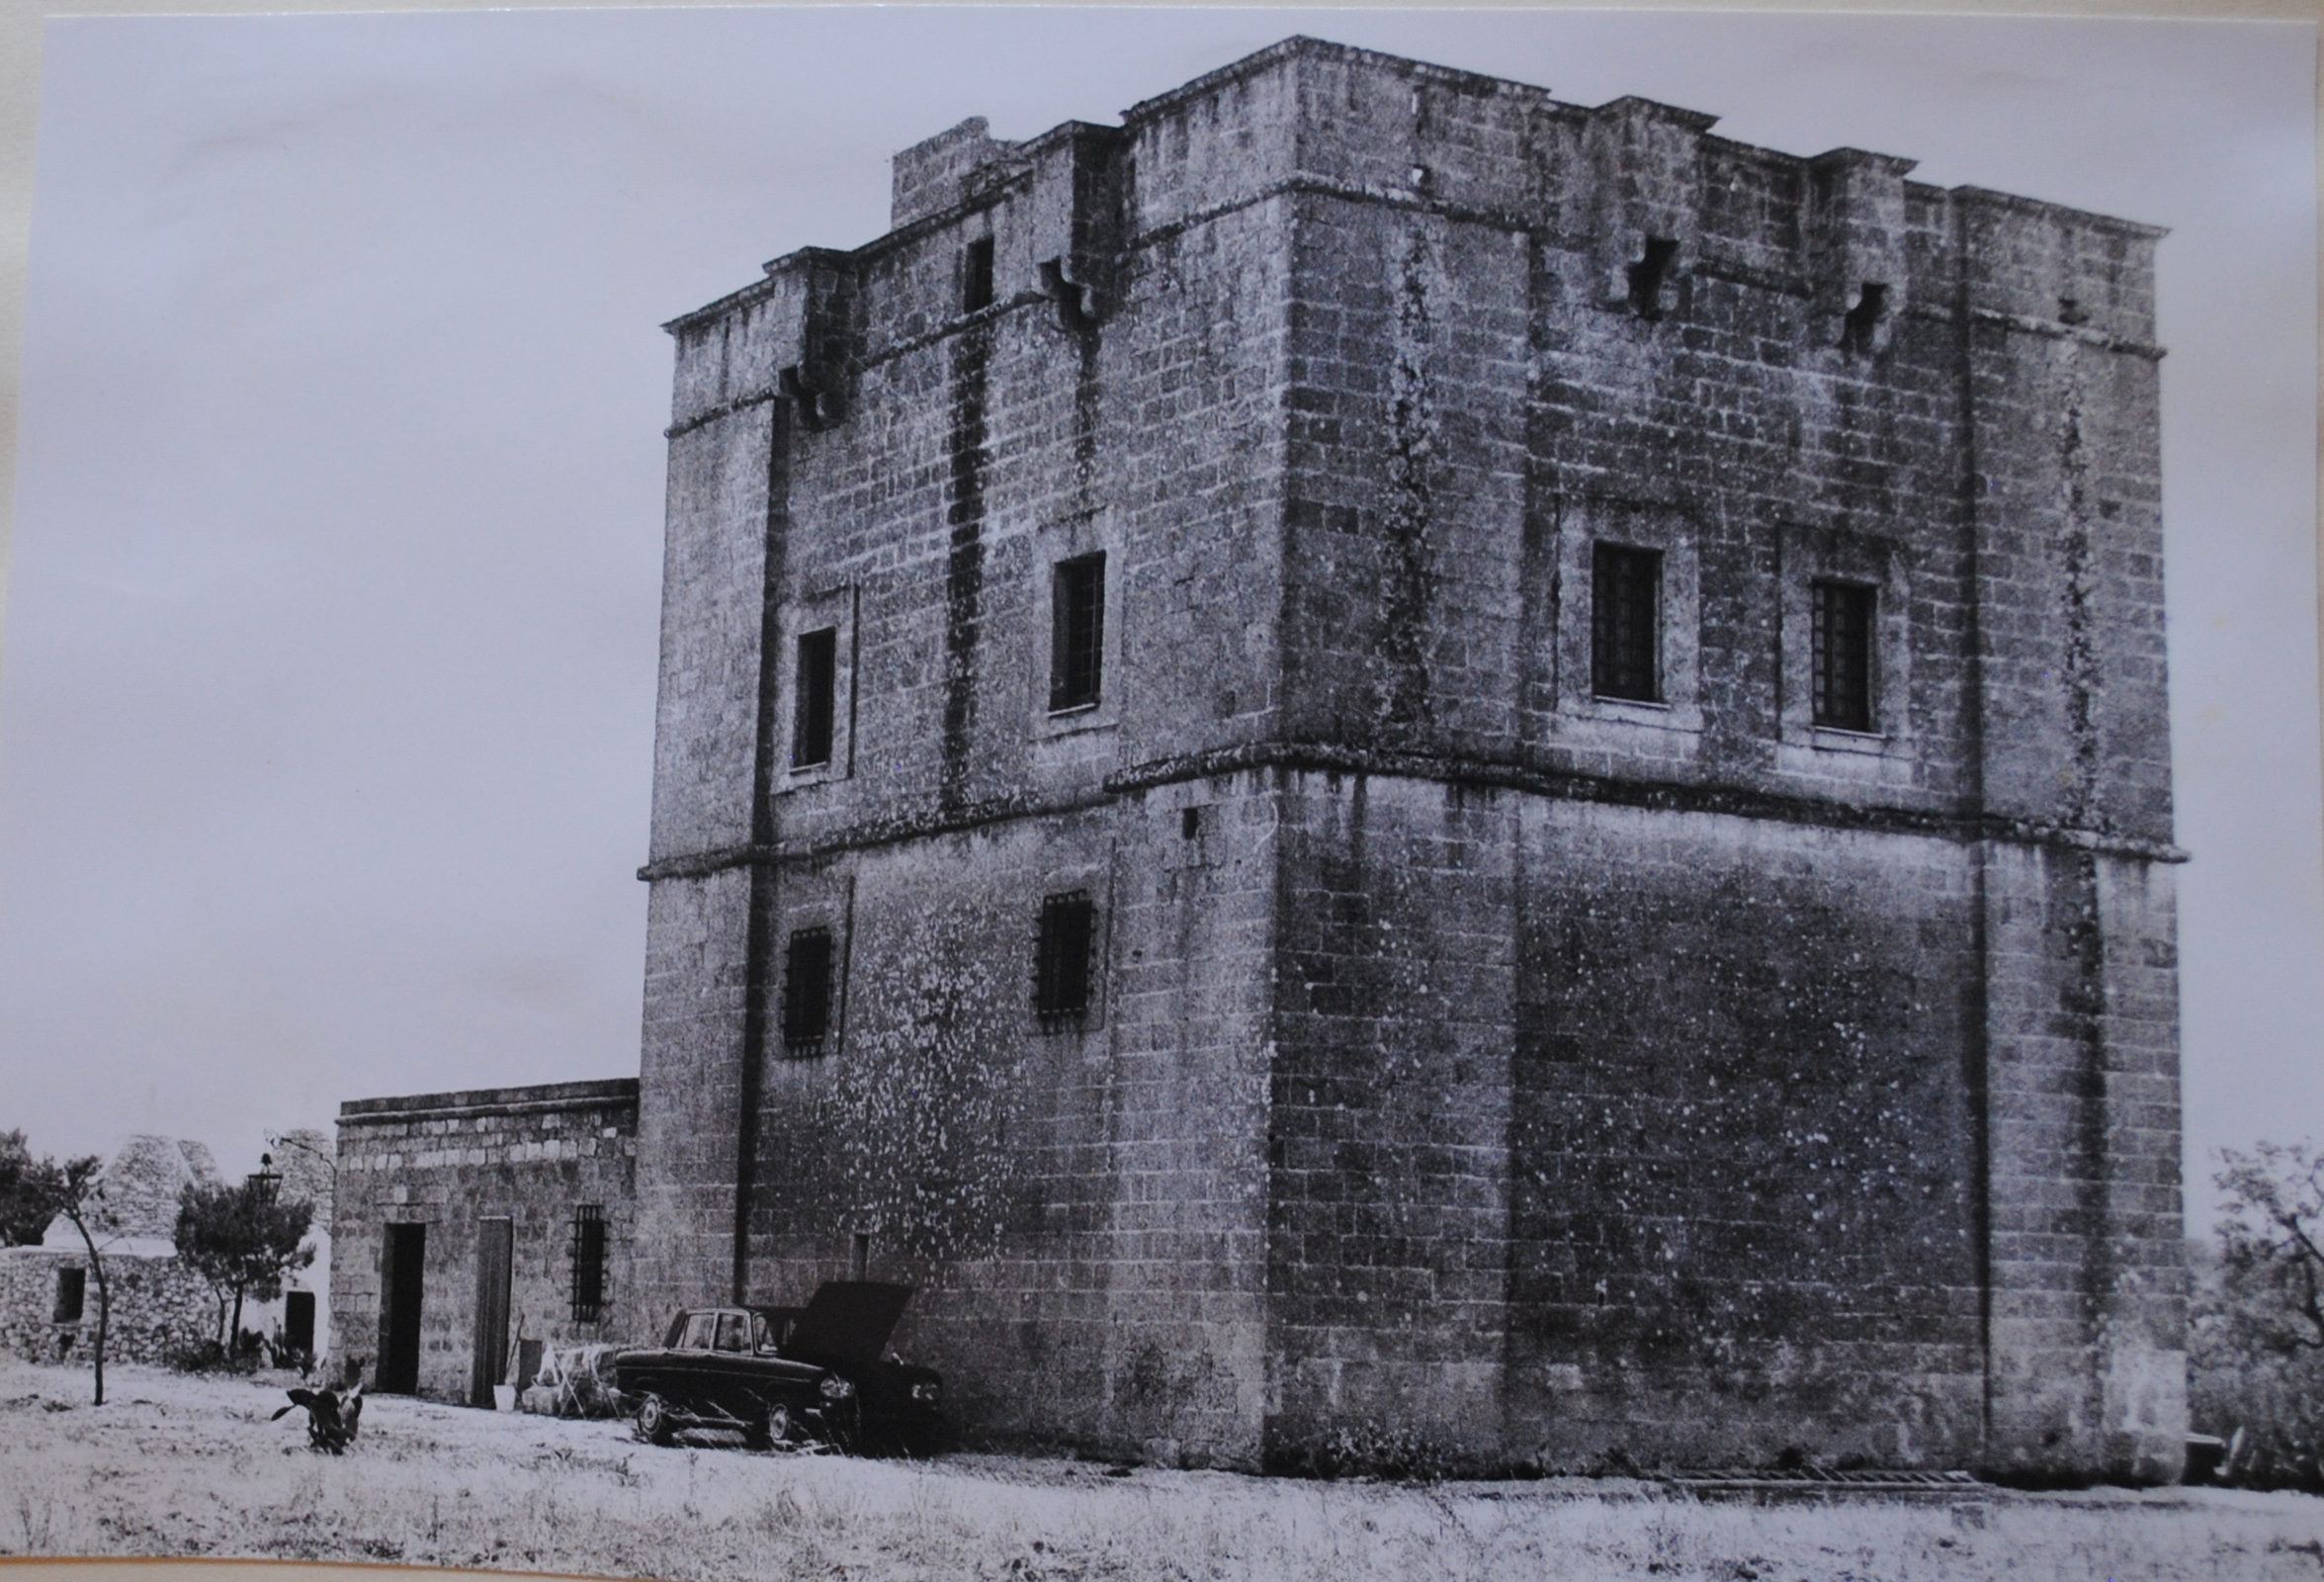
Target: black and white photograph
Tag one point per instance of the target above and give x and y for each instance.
(1045, 793)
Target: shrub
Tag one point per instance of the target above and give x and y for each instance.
(2256, 1325)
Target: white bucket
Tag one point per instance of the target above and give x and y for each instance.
(504, 1397)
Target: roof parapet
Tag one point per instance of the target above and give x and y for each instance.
(936, 173)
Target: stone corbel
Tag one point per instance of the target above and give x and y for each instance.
(819, 406)
(1642, 163)
(1854, 233)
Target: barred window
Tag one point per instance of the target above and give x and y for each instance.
(1841, 617)
(812, 709)
(1076, 633)
(71, 1291)
(1626, 622)
(587, 1252)
(1060, 969)
(807, 991)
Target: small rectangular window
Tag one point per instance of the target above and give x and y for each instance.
(1061, 970)
(807, 991)
(1625, 623)
(587, 1252)
(1842, 618)
(811, 710)
(1077, 634)
(71, 1291)
(976, 289)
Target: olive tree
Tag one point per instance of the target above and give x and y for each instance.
(242, 1240)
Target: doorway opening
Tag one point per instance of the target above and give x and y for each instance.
(399, 1307)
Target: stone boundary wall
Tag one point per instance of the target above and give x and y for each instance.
(161, 1308)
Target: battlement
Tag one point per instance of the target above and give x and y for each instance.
(1305, 114)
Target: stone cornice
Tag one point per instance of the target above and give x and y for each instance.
(1742, 802)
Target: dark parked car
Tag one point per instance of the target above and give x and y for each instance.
(783, 1373)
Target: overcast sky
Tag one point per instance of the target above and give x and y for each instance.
(328, 688)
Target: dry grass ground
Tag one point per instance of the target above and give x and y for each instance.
(192, 1467)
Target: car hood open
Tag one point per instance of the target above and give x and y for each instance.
(847, 1322)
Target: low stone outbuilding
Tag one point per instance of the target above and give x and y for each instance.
(48, 1295)
(474, 1228)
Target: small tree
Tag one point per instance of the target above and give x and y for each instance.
(242, 1240)
(27, 1193)
(2270, 1238)
(73, 1190)
(2256, 1342)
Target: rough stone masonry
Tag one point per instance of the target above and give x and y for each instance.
(1386, 772)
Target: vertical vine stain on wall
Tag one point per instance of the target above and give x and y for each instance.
(964, 564)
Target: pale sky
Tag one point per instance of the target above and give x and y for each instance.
(328, 688)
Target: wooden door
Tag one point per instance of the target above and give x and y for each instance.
(495, 1245)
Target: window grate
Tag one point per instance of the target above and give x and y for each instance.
(586, 1251)
(1076, 633)
(1626, 622)
(1842, 625)
(813, 710)
(1061, 968)
(807, 991)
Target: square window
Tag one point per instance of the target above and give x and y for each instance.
(1840, 621)
(1076, 633)
(71, 1292)
(1626, 622)
(1061, 971)
(807, 991)
(812, 709)
(587, 1252)
(975, 290)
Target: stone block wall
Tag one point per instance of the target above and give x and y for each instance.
(1602, 1130)
(446, 1161)
(1080, 1204)
(160, 1309)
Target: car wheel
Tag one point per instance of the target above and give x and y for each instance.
(652, 1421)
(774, 1430)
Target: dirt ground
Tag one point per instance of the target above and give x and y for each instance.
(192, 1467)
